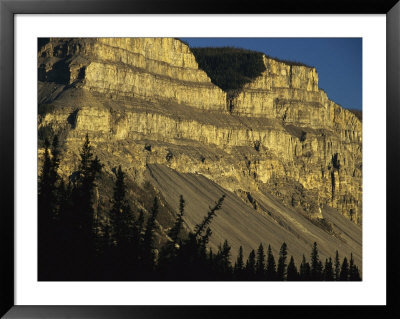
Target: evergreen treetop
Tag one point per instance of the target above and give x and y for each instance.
(281, 270)
(271, 265)
(292, 273)
(260, 263)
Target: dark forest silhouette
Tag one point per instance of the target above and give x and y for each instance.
(72, 245)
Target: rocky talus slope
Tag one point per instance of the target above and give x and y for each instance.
(289, 158)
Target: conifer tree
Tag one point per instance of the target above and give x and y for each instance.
(316, 266)
(169, 251)
(357, 275)
(148, 239)
(344, 271)
(55, 178)
(193, 252)
(292, 273)
(198, 240)
(281, 270)
(223, 261)
(55, 161)
(200, 228)
(203, 241)
(44, 187)
(328, 270)
(49, 179)
(210, 255)
(271, 265)
(175, 230)
(79, 215)
(354, 274)
(320, 270)
(49, 199)
(138, 229)
(121, 232)
(83, 192)
(63, 196)
(260, 263)
(337, 266)
(251, 266)
(305, 270)
(121, 216)
(239, 265)
(351, 265)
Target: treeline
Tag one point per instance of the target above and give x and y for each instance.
(230, 68)
(74, 245)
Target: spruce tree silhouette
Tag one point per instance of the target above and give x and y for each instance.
(251, 266)
(193, 254)
(176, 229)
(44, 216)
(66, 257)
(305, 270)
(226, 260)
(49, 198)
(89, 168)
(354, 274)
(222, 262)
(316, 266)
(281, 270)
(337, 266)
(260, 263)
(292, 273)
(81, 230)
(199, 228)
(320, 270)
(47, 186)
(138, 233)
(122, 231)
(328, 270)
(271, 265)
(238, 271)
(168, 254)
(344, 271)
(121, 216)
(148, 254)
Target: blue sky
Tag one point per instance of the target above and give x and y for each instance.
(338, 60)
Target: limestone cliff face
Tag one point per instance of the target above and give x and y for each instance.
(290, 94)
(150, 68)
(145, 101)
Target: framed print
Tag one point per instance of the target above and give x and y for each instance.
(163, 160)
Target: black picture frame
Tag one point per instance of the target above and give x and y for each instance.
(9, 8)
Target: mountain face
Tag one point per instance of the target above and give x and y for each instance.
(288, 158)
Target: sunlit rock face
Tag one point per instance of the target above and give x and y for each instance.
(145, 101)
(324, 142)
(155, 69)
